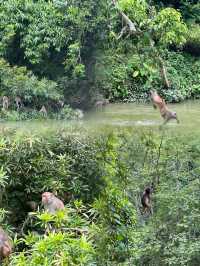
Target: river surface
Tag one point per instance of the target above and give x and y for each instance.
(121, 116)
(144, 116)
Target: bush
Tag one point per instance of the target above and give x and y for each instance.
(192, 46)
(101, 180)
(130, 79)
(69, 246)
(18, 81)
(56, 163)
(183, 73)
(66, 113)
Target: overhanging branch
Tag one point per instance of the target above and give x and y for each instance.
(163, 71)
(132, 30)
(127, 20)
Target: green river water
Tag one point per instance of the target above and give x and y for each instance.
(129, 116)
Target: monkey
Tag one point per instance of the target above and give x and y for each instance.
(18, 102)
(43, 111)
(79, 113)
(61, 103)
(146, 200)
(5, 244)
(101, 103)
(164, 111)
(5, 103)
(51, 203)
(32, 205)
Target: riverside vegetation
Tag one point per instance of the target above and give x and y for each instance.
(101, 178)
(82, 52)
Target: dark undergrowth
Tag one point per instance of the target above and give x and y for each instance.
(101, 179)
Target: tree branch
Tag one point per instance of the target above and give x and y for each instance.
(124, 29)
(127, 20)
(133, 30)
(163, 70)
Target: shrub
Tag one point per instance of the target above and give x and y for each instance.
(67, 246)
(192, 45)
(18, 81)
(130, 79)
(66, 113)
(101, 180)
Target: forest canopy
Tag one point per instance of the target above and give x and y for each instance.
(117, 188)
(115, 49)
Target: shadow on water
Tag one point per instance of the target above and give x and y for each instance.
(129, 116)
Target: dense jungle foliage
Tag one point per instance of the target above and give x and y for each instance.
(101, 179)
(82, 51)
(78, 52)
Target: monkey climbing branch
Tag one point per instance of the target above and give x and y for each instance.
(127, 20)
(132, 30)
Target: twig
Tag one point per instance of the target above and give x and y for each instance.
(158, 158)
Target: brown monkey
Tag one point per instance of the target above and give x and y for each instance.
(101, 103)
(43, 110)
(5, 244)
(18, 102)
(164, 111)
(32, 205)
(146, 200)
(5, 103)
(51, 203)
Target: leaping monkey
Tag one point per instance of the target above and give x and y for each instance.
(164, 110)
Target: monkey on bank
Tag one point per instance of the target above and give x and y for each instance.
(18, 102)
(100, 104)
(146, 200)
(5, 244)
(51, 203)
(43, 111)
(61, 103)
(5, 103)
(164, 111)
